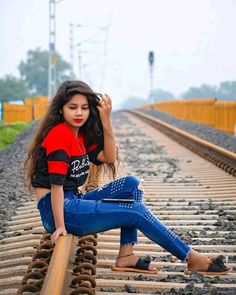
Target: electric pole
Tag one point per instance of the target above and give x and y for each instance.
(72, 48)
(52, 59)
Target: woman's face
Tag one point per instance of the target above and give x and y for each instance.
(76, 112)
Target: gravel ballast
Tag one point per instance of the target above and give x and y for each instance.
(13, 191)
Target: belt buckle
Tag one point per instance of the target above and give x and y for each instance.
(78, 192)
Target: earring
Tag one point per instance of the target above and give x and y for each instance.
(60, 112)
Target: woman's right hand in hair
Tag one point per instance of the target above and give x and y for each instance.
(105, 107)
(60, 231)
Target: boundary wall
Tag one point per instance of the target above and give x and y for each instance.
(32, 109)
(218, 114)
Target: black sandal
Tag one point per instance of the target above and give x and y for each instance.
(216, 267)
(141, 266)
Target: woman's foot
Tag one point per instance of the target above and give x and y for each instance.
(130, 260)
(197, 262)
(202, 264)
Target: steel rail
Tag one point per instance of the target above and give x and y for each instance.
(219, 156)
(55, 277)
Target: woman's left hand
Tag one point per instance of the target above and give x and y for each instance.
(105, 107)
(60, 231)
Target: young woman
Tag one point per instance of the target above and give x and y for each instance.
(77, 130)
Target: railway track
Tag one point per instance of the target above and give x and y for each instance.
(190, 194)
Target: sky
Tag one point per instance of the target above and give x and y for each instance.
(193, 41)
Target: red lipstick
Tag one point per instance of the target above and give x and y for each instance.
(78, 120)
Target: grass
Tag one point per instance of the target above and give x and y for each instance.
(8, 133)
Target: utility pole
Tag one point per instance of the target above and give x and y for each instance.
(151, 64)
(52, 60)
(72, 48)
(80, 60)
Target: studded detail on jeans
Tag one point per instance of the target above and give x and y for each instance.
(138, 195)
(117, 185)
(169, 233)
(150, 216)
(126, 205)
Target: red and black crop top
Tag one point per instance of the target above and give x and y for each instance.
(63, 159)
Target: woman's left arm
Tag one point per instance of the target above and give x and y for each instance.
(108, 154)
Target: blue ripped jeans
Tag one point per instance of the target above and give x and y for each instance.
(87, 214)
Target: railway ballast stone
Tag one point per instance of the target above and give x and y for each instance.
(13, 191)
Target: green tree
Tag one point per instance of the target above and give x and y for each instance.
(227, 90)
(204, 91)
(35, 70)
(12, 88)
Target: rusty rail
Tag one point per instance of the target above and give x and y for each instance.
(54, 280)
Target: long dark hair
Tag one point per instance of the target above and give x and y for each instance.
(92, 129)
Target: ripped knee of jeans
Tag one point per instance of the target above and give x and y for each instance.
(140, 186)
(138, 192)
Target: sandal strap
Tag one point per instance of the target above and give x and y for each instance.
(143, 262)
(121, 256)
(218, 264)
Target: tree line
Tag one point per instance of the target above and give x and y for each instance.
(224, 91)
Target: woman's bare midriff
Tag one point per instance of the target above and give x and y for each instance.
(40, 192)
